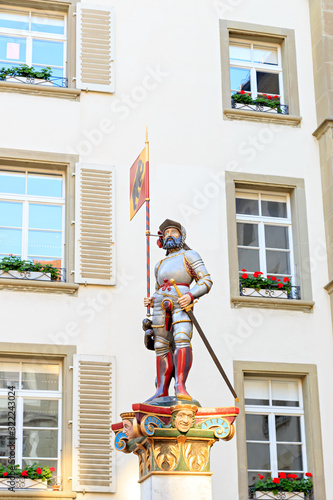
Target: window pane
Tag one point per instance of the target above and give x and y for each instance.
(274, 209)
(9, 375)
(265, 55)
(12, 49)
(10, 214)
(14, 19)
(45, 243)
(45, 185)
(277, 262)
(276, 237)
(288, 428)
(40, 443)
(240, 51)
(40, 377)
(12, 183)
(256, 392)
(248, 207)
(40, 413)
(45, 216)
(248, 259)
(268, 83)
(4, 443)
(48, 53)
(4, 412)
(240, 79)
(253, 476)
(290, 457)
(10, 241)
(48, 23)
(247, 234)
(258, 456)
(285, 393)
(257, 427)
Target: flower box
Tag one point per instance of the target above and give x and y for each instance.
(264, 292)
(23, 483)
(26, 275)
(254, 107)
(30, 80)
(281, 495)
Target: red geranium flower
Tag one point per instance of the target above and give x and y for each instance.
(242, 92)
(243, 270)
(24, 473)
(261, 476)
(39, 470)
(244, 276)
(5, 474)
(265, 95)
(290, 476)
(10, 255)
(52, 469)
(276, 480)
(273, 278)
(280, 285)
(276, 97)
(286, 280)
(308, 474)
(269, 97)
(282, 475)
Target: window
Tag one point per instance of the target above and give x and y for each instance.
(256, 68)
(38, 397)
(32, 206)
(36, 38)
(264, 235)
(275, 433)
(259, 60)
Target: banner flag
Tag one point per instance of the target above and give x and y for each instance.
(138, 183)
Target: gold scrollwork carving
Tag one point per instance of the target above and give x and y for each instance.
(166, 455)
(231, 433)
(196, 455)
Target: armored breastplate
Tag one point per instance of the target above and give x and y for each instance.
(173, 267)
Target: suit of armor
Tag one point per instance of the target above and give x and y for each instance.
(171, 325)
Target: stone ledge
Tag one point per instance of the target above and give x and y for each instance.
(38, 286)
(257, 116)
(323, 127)
(267, 303)
(329, 287)
(26, 88)
(19, 495)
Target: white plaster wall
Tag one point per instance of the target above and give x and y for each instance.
(190, 143)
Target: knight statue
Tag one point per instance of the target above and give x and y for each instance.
(170, 331)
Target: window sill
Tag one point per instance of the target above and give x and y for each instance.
(38, 286)
(14, 495)
(256, 116)
(267, 303)
(25, 88)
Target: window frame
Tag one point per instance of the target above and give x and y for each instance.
(296, 188)
(262, 34)
(309, 380)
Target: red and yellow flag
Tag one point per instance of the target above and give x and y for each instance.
(138, 183)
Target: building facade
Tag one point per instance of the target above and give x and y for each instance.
(237, 99)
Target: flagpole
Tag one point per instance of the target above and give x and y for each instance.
(147, 219)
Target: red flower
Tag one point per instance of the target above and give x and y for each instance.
(290, 476)
(273, 278)
(256, 274)
(276, 97)
(39, 470)
(276, 480)
(10, 255)
(269, 97)
(244, 276)
(242, 92)
(282, 475)
(243, 270)
(261, 476)
(268, 277)
(308, 474)
(280, 285)
(24, 473)
(52, 469)
(286, 280)
(5, 474)
(265, 95)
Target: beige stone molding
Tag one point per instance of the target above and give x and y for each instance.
(18, 495)
(267, 303)
(26, 88)
(21, 285)
(329, 287)
(257, 116)
(323, 127)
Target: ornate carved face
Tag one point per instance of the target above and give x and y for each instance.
(184, 419)
(171, 238)
(128, 428)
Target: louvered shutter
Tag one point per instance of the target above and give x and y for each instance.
(93, 452)
(95, 47)
(94, 224)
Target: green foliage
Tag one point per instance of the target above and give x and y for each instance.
(304, 485)
(27, 71)
(13, 263)
(244, 98)
(44, 473)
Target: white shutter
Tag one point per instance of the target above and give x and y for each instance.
(93, 414)
(95, 47)
(94, 224)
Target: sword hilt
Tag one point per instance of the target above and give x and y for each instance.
(179, 293)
